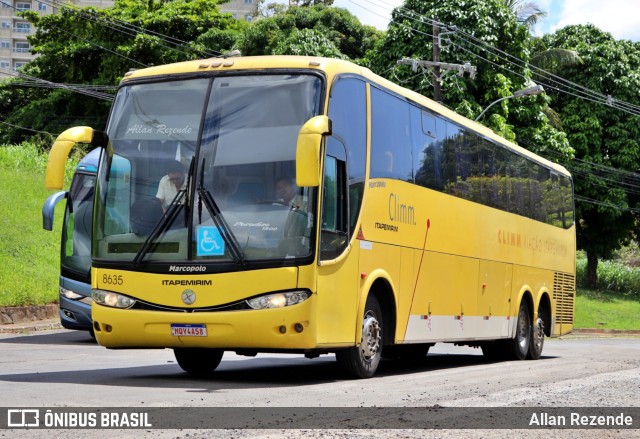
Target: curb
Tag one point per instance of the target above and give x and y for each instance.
(25, 314)
(21, 319)
(23, 328)
(599, 331)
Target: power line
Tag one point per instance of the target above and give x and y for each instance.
(26, 129)
(545, 78)
(49, 84)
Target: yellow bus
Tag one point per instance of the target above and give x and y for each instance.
(306, 205)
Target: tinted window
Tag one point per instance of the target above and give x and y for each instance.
(391, 142)
(459, 162)
(348, 114)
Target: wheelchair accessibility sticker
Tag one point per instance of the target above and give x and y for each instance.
(210, 242)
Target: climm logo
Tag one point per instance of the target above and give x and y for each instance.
(509, 238)
(533, 243)
(400, 212)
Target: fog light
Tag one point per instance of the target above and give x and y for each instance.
(298, 327)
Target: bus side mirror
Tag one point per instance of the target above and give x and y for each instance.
(49, 207)
(308, 150)
(54, 177)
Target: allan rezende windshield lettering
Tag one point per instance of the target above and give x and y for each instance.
(159, 129)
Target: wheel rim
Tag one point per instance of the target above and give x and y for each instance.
(523, 326)
(538, 334)
(370, 345)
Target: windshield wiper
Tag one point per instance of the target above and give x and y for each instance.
(161, 226)
(167, 219)
(216, 215)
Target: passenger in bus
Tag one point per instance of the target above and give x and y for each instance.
(174, 181)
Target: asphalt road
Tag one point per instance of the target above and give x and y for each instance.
(67, 369)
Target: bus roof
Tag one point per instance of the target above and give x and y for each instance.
(331, 67)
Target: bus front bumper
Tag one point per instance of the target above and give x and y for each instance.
(287, 328)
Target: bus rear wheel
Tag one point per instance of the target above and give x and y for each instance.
(519, 345)
(362, 361)
(198, 361)
(537, 340)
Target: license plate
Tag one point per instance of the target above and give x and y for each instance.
(179, 330)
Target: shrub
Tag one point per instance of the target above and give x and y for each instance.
(29, 156)
(612, 276)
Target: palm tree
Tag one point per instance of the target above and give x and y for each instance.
(552, 60)
(527, 13)
(548, 62)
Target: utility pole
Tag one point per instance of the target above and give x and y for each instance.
(438, 66)
(437, 80)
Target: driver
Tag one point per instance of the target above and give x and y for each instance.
(289, 194)
(170, 184)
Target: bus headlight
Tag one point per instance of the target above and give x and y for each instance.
(69, 294)
(114, 300)
(278, 300)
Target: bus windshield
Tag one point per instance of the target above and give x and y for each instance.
(203, 170)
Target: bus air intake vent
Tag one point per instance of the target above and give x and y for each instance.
(564, 294)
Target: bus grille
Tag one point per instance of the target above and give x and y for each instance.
(564, 294)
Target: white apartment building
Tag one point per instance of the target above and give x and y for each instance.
(15, 50)
(240, 9)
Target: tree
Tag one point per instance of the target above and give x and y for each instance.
(96, 47)
(306, 42)
(604, 137)
(527, 13)
(487, 34)
(318, 30)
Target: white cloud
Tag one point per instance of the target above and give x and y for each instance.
(621, 18)
(372, 12)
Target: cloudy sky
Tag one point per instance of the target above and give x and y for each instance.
(619, 17)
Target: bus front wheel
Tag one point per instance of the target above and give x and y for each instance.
(198, 361)
(362, 361)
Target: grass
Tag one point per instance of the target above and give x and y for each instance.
(606, 310)
(30, 255)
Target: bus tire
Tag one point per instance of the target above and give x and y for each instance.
(537, 340)
(362, 361)
(519, 345)
(198, 361)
